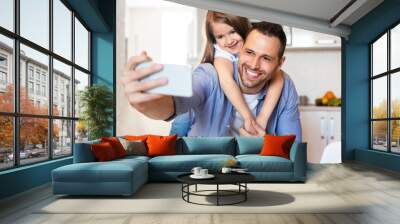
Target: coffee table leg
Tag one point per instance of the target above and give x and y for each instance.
(217, 194)
(196, 188)
(245, 191)
(188, 189)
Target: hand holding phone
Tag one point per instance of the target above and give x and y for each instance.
(179, 79)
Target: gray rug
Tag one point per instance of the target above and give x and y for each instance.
(166, 198)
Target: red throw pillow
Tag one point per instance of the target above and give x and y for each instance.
(116, 145)
(161, 145)
(136, 137)
(277, 145)
(103, 151)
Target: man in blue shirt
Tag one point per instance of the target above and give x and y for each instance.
(259, 60)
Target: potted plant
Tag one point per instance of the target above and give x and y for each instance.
(96, 103)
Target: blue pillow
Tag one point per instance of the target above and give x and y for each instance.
(207, 145)
(249, 145)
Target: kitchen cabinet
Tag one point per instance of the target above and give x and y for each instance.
(303, 39)
(321, 129)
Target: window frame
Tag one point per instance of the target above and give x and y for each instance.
(16, 114)
(388, 74)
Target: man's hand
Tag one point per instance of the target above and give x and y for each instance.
(260, 132)
(155, 106)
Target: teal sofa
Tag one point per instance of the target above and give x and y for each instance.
(125, 176)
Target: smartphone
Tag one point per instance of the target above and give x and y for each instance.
(179, 79)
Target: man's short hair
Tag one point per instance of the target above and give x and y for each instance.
(271, 30)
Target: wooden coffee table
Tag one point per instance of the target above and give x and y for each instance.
(238, 179)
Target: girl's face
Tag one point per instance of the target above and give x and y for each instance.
(227, 38)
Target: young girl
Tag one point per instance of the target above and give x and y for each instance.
(225, 37)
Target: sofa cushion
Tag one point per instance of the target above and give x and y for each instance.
(161, 145)
(249, 145)
(111, 171)
(185, 163)
(134, 147)
(135, 137)
(206, 145)
(133, 158)
(116, 145)
(103, 152)
(277, 145)
(257, 163)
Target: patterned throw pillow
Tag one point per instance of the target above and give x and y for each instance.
(134, 147)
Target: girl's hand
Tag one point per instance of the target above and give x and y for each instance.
(262, 122)
(248, 125)
(259, 131)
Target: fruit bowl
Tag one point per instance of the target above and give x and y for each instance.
(329, 99)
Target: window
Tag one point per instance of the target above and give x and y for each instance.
(6, 74)
(30, 87)
(7, 142)
(38, 89)
(63, 140)
(385, 94)
(44, 91)
(37, 75)
(81, 45)
(62, 74)
(7, 14)
(3, 61)
(3, 82)
(54, 125)
(35, 22)
(30, 73)
(3, 71)
(81, 81)
(62, 29)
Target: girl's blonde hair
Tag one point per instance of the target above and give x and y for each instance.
(240, 24)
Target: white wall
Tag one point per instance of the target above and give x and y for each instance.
(314, 71)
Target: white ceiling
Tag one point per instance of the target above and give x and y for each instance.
(314, 15)
(150, 4)
(321, 9)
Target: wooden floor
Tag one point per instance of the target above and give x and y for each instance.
(377, 188)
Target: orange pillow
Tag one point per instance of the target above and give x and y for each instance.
(277, 145)
(103, 151)
(161, 145)
(116, 145)
(136, 137)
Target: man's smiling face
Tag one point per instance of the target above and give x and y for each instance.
(258, 61)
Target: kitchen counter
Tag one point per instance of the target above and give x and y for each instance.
(319, 108)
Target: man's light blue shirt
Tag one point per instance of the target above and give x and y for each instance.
(214, 113)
